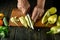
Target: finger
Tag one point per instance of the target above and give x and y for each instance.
(41, 12)
(34, 14)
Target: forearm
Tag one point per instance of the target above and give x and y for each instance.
(41, 3)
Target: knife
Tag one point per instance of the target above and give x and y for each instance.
(29, 21)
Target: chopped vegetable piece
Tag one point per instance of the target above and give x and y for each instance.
(23, 21)
(14, 20)
(52, 19)
(27, 20)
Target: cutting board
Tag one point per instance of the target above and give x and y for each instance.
(18, 13)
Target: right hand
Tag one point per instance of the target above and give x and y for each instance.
(23, 5)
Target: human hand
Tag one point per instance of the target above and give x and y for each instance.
(37, 12)
(23, 5)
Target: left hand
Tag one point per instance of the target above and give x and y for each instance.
(37, 12)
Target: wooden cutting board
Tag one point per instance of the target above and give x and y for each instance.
(18, 13)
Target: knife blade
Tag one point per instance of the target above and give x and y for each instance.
(30, 21)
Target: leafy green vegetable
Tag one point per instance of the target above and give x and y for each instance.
(3, 31)
(2, 34)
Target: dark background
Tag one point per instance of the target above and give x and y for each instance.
(21, 33)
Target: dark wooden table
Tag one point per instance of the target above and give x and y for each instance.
(21, 33)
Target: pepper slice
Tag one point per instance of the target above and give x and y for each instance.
(26, 21)
(23, 21)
